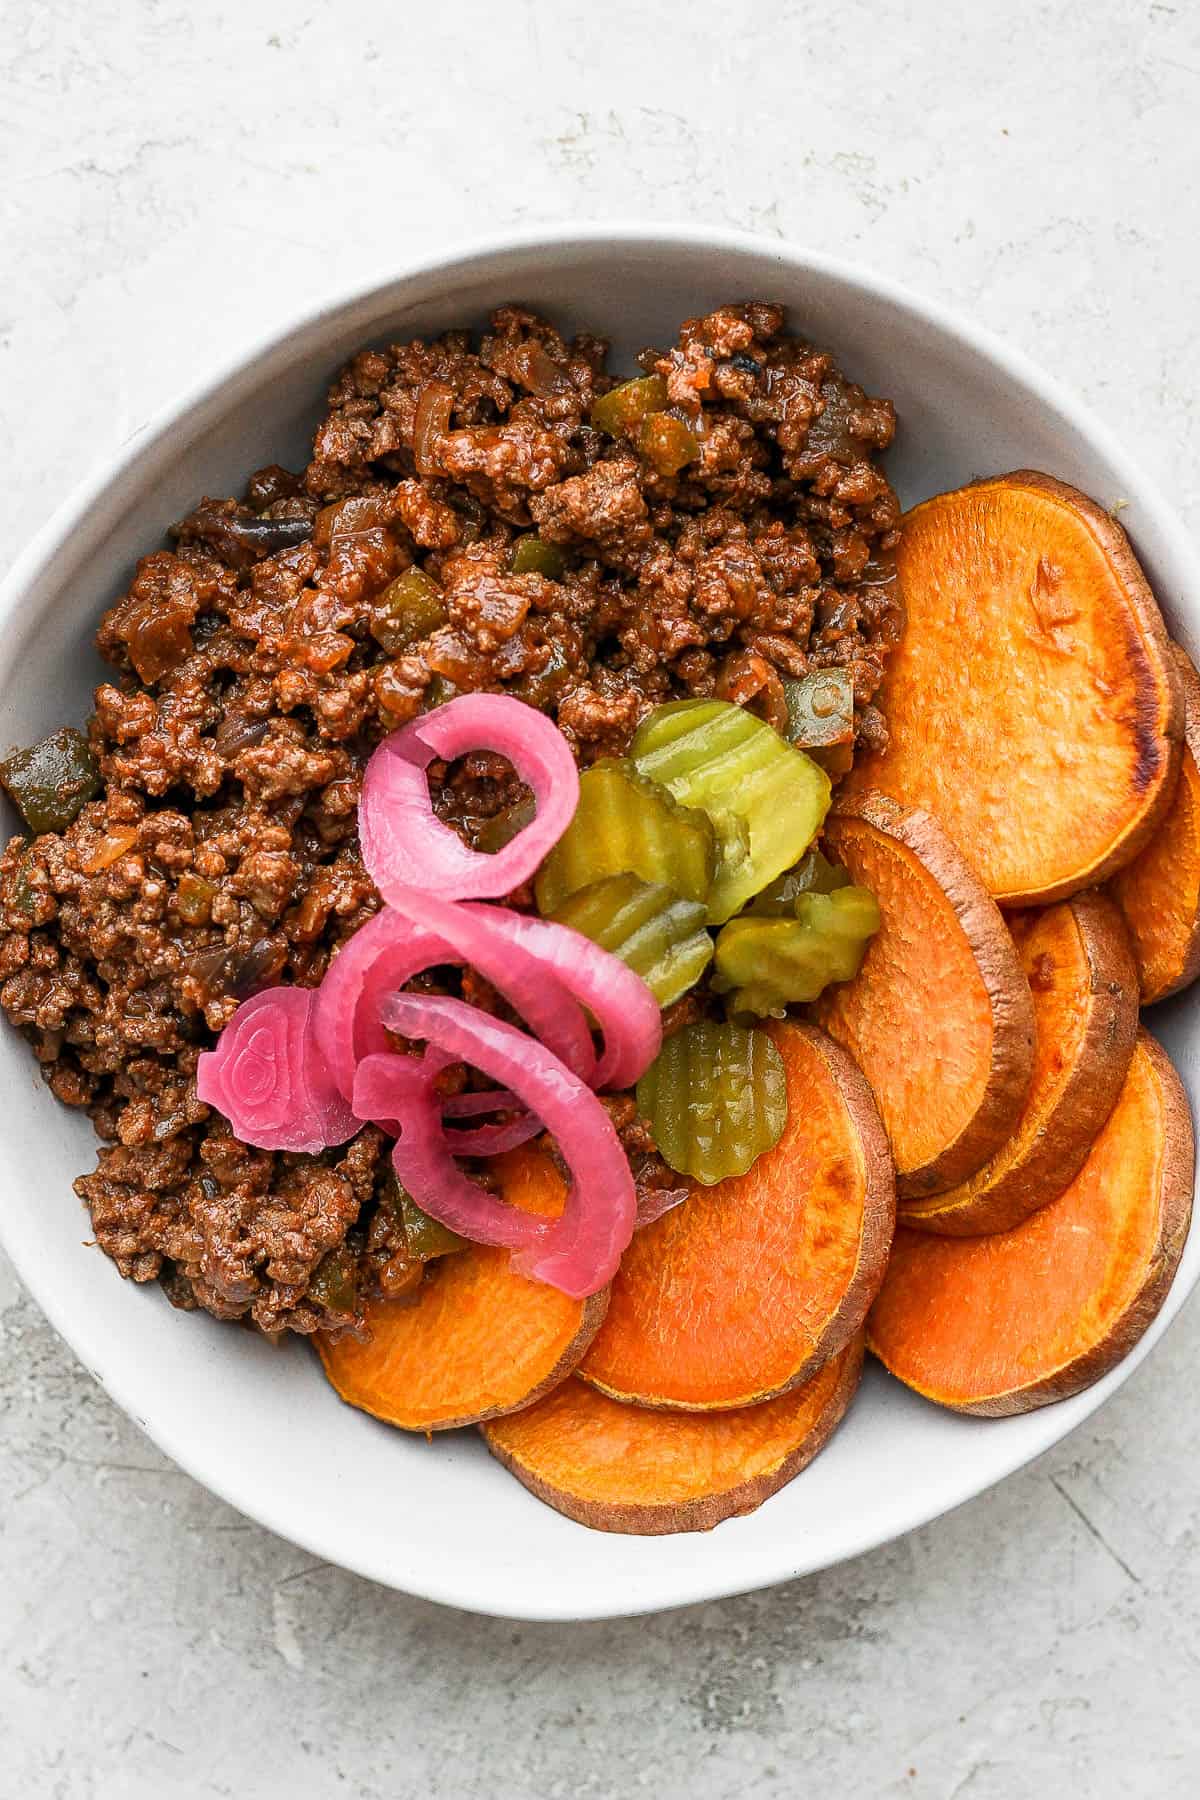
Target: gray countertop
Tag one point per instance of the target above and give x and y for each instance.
(178, 177)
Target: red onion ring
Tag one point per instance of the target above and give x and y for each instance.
(381, 956)
(482, 1100)
(383, 1088)
(394, 946)
(493, 1139)
(294, 1068)
(411, 1075)
(268, 1077)
(405, 845)
(486, 938)
(627, 1013)
(578, 1252)
(657, 1202)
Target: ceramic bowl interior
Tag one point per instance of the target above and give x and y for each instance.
(258, 1425)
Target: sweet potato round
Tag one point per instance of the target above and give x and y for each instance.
(1033, 703)
(1077, 959)
(627, 1468)
(1159, 891)
(478, 1341)
(939, 1018)
(749, 1286)
(999, 1325)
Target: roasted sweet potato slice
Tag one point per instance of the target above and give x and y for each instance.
(1159, 891)
(1079, 965)
(939, 1018)
(999, 1325)
(750, 1285)
(627, 1468)
(479, 1339)
(1033, 703)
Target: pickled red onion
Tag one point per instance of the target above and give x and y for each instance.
(493, 1139)
(381, 956)
(627, 1013)
(578, 1252)
(487, 938)
(404, 845)
(393, 947)
(268, 1077)
(383, 1089)
(294, 1067)
(419, 1073)
(655, 1203)
(534, 963)
(481, 1100)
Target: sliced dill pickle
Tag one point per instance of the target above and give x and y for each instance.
(766, 965)
(715, 1097)
(719, 757)
(623, 408)
(673, 719)
(733, 848)
(821, 717)
(813, 874)
(658, 932)
(628, 825)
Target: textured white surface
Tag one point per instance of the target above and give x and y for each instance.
(175, 178)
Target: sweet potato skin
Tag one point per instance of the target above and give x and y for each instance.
(735, 1296)
(478, 1341)
(1153, 1102)
(1034, 703)
(1159, 891)
(623, 1446)
(897, 1006)
(1081, 1060)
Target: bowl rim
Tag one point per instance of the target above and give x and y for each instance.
(201, 404)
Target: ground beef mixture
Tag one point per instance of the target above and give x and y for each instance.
(256, 662)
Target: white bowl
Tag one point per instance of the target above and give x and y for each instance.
(259, 1426)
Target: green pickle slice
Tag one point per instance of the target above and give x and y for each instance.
(765, 965)
(675, 719)
(627, 825)
(718, 757)
(715, 1097)
(813, 874)
(659, 933)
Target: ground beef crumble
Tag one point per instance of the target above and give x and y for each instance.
(255, 665)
